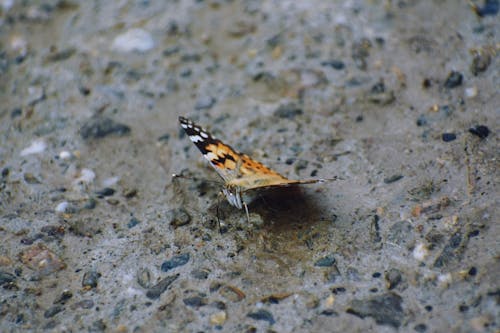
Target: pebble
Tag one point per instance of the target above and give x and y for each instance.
(393, 178)
(386, 309)
(86, 176)
(205, 102)
(90, 279)
(288, 111)
(481, 131)
(133, 40)
(453, 80)
(420, 252)
(451, 252)
(393, 278)
(176, 261)
(262, 314)
(481, 60)
(6, 278)
(133, 222)
(218, 318)
(156, 291)
(36, 147)
(200, 273)
(447, 137)
(40, 259)
(490, 7)
(178, 217)
(99, 127)
(64, 297)
(326, 261)
(335, 64)
(105, 192)
(62, 207)
(51, 312)
(144, 278)
(196, 301)
(471, 92)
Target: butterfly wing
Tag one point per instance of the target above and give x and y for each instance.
(222, 158)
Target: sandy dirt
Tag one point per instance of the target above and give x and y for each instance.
(399, 99)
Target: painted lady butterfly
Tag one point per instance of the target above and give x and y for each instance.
(239, 172)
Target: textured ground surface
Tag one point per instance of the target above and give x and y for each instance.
(95, 236)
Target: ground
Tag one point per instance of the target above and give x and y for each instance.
(398, 99)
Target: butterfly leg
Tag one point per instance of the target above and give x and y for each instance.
(246, 211)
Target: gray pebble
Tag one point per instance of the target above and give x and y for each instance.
(156, 291)
(176, 261)
(385, 309)
(99, 127)
(262, 315)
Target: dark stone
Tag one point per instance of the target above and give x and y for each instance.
(90, 279)
(176, 261)
(326, 261)
(378, 88)
(453, 80)
(133, 222)
(64, 297)
(386, 309)
(195, 301)
(451, 252)
(421, 328)
(156, 291)
(421, 120)
(178, 217)
(99, 127)
(447, 137)
(393, 278)
(51, 312)
(490, 7)
(105, 192)
(98, 326)
(393, 178)
(481, 131)
(329, 312)
(472, 271)
(200, 274)
(335, 64)
(289, 111)
(480, 62)
(262, 315)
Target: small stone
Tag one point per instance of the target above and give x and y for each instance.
(420, 252)
(90, 279)
(386, 309)
(471, 92)
(200, 274)
(262, 314)
(105, 192)
(64, 297)
(480, 62)
(6, 278)
(205, 102)
(29, 178)
(133, 222)
(178, 217)
(326, 261)
(39, 258)
(420, 328)
(289, 111)
(393, 178)
(218, 318)
(133, 40)
(51, 312)
(453, 80)
(451, 252)
(447, 137)
(335, 64)
(36, 147)
(144, 278)
(86, 176)
(490, 7)
(99, 127)
(195, 301)
(392, 278)
(176, 261)
(481, 131)
(156, 291)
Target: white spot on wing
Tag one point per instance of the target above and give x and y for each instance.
(196, 138)
(210, 156)
(204, 135)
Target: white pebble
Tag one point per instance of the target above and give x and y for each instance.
(61, 208)
(86, 176)
(110, 181)
(64, 155)
(134, 40)
(471, 92)
(36, 147)
(420, 252)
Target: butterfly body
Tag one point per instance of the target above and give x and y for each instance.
(240, 172)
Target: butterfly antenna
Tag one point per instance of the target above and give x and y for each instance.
(217, 212)
(246, 211)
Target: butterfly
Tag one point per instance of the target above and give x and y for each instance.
(239, 171)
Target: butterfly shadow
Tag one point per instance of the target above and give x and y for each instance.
(288, 207)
